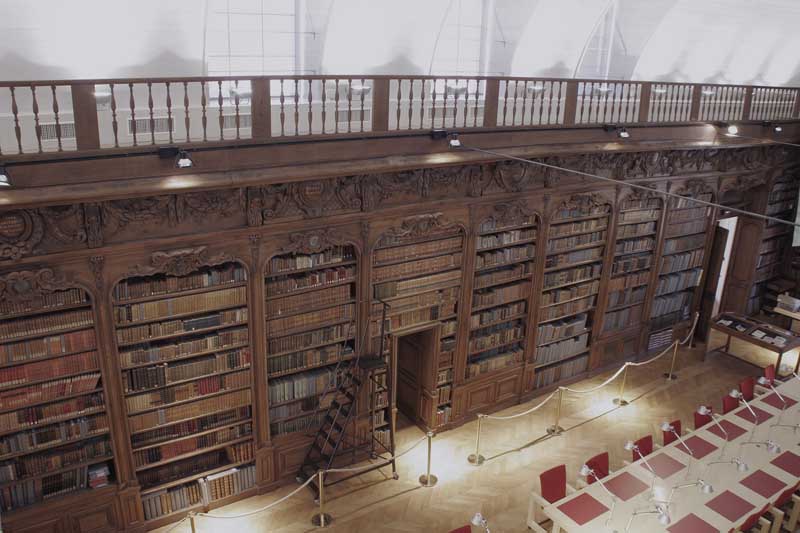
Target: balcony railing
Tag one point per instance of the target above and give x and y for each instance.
(66, 116)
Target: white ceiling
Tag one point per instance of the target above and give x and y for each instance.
(725, 41)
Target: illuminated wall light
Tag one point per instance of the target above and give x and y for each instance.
(623, 133)
(733, 129)
(184, 160)
(730, 129)
(5, 180)
(777, 129)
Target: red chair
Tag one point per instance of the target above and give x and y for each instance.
(553, 486)
(748, 388)
(645, 445)
(772, 380)
(598, 463)
(463, 529)
(754, 519)
(729, 404)
(788, 502)
(668, 436)
(701, 420)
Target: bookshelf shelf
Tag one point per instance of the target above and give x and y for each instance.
(48, 310)
(496, 346)
(567, 337)
(188, 292)
(194, 453)
(296, 292)
(503, 229)
(310, 346)
(587, 246)
(179, 334)
(169, 384)
(311, 308)
(51, 333)
(3, 389)
(53, 420)
(178, 316)
(60, 397)
(567, 315)
(565, 266)
(310, 327)
(576, 298)
(511, 318)
(193, 477)
(515, 299)
(312, 367)
(54, 471)
(563, 360)
(158, 407)
(55, 444)
(505, 264)
(506, 245)
(322, 266)
(213, 351)
(567, 284)
(420, 257)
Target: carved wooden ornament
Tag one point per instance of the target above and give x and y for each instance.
(311, 242)
(180, 262)
(514, 212)
(28, 285)
(421, 226)
(20, 231)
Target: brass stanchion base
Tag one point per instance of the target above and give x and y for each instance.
(321, 520)
(427, 481)
(668, 375)
(555, 430)
(620, 401)
(476, 460)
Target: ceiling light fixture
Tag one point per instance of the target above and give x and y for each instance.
(184, 160)
(5, 179)
(730, 129)
(623, 133)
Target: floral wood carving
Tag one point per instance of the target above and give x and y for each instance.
(180, 262)
(97, 264)
(65, 223)
(636, 194)
(420, 226)
(694, 188)
(26, 286)
(743, 183)
(311, 242)
(514, 212)
(586, 203)
(198, 206)
(93, 222)
(20, 232)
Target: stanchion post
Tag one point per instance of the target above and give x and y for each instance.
(476, 458)
(427, 479)
(192, 522)
(621, 399)
(556, 429)
(671, 374)
(322, 519)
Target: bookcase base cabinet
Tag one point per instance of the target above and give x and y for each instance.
(495, 391)
(614, 351)
(100, 513)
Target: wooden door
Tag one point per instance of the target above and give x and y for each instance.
(712, 279)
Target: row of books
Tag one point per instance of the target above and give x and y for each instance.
(682, 244)
(187, 391)
(497, 335)
(561, 245)
(181, 412)
(391, 289)
(679, 281)
(65, 343)
(42, 414)
(573, 275)
(229, 483)
(578, 256)
(32, 491)
(560, 329)
(409, 252)
(309, 300)
(631, 263)
(659, 339)
(388, 240)
(496, 313)
(444, 376)
(51, 369)
(179, 305)
(445, 356)
(444, 394)
(639, 215)
(188, 427)
(495, 277)
(644, 244)
(670, 303)
(688, 211)
(285, 285)
(171, 500)
(570, 293)
(552, 374)
(284, 427)
(145, 332)
(37, 464)
(296, 386)
(634, 230)
(49, 391)
(494, 360)
(568, 308)
(443, 415)
(42, 324)
(769, 246)
(627, 296)
(309, 358)
(504, 238)
(501, 295)
(331, 256)
(44, 302)
(492, 225)
(686, 228)
(449, 327)
(62, 432)
(674, 263)
(292, 409)
(581, 211)
(561, 350)
(383, 436)
(504, 256)
(161, 353)
(419, 267)
(177, 448)
(137, 379)
(623, 317)
(780, 207)
(419, 316)
(304, 321)
(565, 229)
(195, 464)
(407, 303)
(302, 341)
(131, 288)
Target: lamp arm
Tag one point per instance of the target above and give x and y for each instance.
(721, 428)
(683, 443)
(747, 404)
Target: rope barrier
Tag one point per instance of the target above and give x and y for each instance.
(262, 509)
(603, 384)
(176, 524)
(659, 356)
(690, 335)
(396, 457)
(529, 411)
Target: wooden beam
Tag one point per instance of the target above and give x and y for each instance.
(261, 109)
(84, 111)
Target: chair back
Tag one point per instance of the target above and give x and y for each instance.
(669, 437)
(729, 404)
(554, 483)
(645, 445)
(701, 420)
(769, 373)
(752, 520)
(598, 463)
(463, 529)
(786, 496)
(748, 388)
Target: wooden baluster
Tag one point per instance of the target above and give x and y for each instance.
(150, 108)
(283, 109)
(336, 111)
(505, 103)
(236, 108)
(363, 84)
(324, 103)
(203, 119)
(433, 104)
(562, 91)
(457, 103)
(525, 106)
(349, 104)
(609, 102)
(132, 104)
(114, 122)
(221, 117)
(296, 108)
(186, 119)
(624, 101)
(169, 111)
(410, 102)
(310, 110)
(514, 103)
(582, 110)
(542, 104)
(56, 117)
(399, 100)
(475, 107)
(422, 105)
(37, 128)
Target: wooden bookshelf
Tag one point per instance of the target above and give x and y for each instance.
(638, 219)
(576, 244)
(184, 353)
(310, 310)
(54, 430)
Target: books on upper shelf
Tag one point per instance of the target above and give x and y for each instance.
(45, 302)
(286, 263)
(558, 372)
(18, 328)
(192, 466)
(133, 288)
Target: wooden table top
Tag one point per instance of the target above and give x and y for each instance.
(743, 328)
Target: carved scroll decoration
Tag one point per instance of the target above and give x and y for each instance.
(25, 286)
(180, 262)
(20, 232)
(311, 242)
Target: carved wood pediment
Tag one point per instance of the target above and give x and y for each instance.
(312, 242)
(24, 286)
(179, 262)
(21, 230)
(509, 213)
(586, 202)
(421, 226)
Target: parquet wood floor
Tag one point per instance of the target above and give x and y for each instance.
(516, 453)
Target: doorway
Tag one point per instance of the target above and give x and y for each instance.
(414, 352)
(720, 257)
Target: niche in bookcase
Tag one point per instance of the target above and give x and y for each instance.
(638, 220)
(686, 229)
(184, 352)
(54, 430)
(416, 270)
(576, 241)
(505, 255)
(311, 302)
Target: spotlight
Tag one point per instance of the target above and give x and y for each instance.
(730, 129)
(777, 128)
(623, 133)
(5, 179)
(454, 142)
(184, 160)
